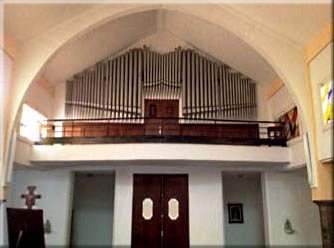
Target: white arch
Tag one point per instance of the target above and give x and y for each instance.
(286, 60)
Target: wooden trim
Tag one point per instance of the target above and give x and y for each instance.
(273, 88)
(319, 42)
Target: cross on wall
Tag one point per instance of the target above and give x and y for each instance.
(30, 198)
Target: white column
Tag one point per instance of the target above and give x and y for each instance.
(123, 208)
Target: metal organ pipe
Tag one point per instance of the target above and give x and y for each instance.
(117, 86)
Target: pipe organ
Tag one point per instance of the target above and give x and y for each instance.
(117, 86)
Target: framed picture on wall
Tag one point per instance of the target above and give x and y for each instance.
(235, 213)
(291, 123)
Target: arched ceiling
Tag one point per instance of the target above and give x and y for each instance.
(163, 29)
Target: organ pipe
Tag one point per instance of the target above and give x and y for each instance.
(117, 86)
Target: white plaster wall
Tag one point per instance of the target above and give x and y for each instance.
(246, 189)
(205, 200)
(55, 188)
(205, 203)
(40, 99)
(5, 74)
(297, 153)
(59, 101)
(262, 106)
(279, 103)
(321, 72)
(288, 196)
(128, 152)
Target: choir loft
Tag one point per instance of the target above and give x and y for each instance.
(163, 125)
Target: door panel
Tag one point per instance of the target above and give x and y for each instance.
(145, 230)
(176, 220)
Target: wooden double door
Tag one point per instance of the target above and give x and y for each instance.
(160, 211)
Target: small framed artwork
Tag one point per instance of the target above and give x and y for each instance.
(235, 213)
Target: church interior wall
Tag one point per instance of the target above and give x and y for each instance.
(59, 106)
(288, 196)
(150, 151)
(40, 96)
(56, 186)
(56, 190)
(279, 103)
(6, 69)
(92, 214)
(244, 188)
(321, 72)
(205, 209)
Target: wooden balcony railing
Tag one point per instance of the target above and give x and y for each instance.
(159, 129)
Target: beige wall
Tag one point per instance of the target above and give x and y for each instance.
(319, 66)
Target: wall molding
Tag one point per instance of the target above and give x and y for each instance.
(319, 42)
(10, 47)
(273, 88)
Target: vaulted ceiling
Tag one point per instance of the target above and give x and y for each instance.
(163, 30)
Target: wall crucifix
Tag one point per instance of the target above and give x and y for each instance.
(30, 198)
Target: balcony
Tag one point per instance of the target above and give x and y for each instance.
(162, 130)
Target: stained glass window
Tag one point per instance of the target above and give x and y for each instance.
(327, 101)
